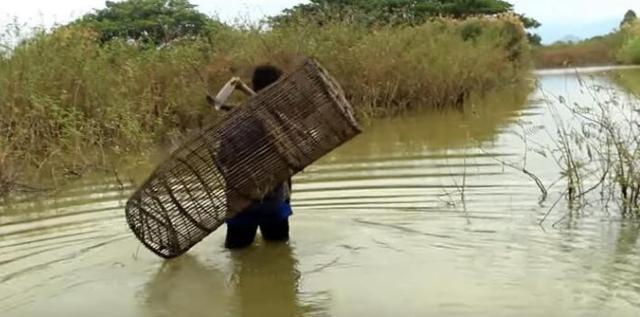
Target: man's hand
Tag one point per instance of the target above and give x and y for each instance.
(217, 105)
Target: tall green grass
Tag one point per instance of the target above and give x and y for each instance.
(67, 101)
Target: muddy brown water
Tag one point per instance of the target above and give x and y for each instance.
(416, 217)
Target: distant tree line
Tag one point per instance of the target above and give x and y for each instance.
(162, 21)
(410, 12)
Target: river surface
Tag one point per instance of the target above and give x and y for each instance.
(420, 216)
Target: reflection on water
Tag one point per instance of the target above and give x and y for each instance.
(481, 122)
(262, 281)
(186, 287)
(418, 216)
(258, 281)
(265, 281)
(629, 79)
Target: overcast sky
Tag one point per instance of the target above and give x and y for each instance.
(582, 18)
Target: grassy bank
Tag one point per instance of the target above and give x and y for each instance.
(66, 99)
(619, 47)
(592, 52)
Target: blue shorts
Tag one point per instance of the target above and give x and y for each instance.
(262, 212)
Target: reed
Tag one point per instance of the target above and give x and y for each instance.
(597, 148)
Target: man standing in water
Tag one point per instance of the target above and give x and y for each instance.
(272, 213)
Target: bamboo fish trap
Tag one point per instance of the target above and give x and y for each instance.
(238, 160)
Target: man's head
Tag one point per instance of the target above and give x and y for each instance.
(265, 75)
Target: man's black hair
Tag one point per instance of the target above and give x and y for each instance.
(265, 75)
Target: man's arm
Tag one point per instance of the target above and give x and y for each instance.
(219, 101)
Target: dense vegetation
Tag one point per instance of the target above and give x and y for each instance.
(72, 96)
